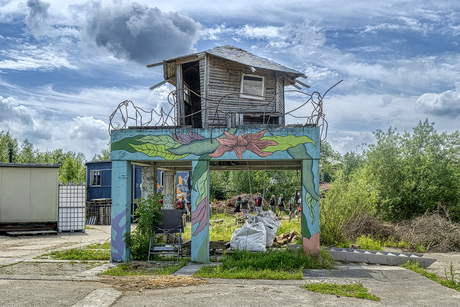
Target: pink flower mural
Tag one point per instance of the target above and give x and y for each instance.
(241, 143)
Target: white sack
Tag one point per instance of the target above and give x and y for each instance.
(271, 223)
(251, 237)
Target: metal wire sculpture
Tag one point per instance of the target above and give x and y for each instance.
(131, 115)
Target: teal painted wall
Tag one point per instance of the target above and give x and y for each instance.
(203, 145)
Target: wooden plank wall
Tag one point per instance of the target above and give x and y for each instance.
(224, 79)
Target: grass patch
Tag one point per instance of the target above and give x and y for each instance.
(349, 290)
(95, 251)
(78, 254)
(105, 245)
(281, 264)
(127, 269)
(450, 281)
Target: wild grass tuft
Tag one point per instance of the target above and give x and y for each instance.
(356, 290)
(281, 264)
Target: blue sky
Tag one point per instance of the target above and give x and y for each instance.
(66, 65)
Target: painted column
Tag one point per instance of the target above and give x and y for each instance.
(200, 211)
(149, 182)
(310, 206)
(121, 209)
(169, 190)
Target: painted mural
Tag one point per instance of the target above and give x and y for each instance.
(231, 144)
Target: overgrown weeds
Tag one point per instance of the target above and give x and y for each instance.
(274, 264)
(451, 281)
(86, 253)
(147, 213)
(356, 290)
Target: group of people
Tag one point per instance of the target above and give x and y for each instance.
(242, 204)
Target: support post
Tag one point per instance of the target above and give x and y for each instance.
(200, 211)
(149, 181)
(121, 210)
(310, 207)
(169, 190)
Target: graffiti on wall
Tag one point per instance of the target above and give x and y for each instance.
(230, 144)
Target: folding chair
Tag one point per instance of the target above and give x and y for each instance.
(171, 223)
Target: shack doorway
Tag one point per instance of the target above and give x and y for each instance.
(192, 94)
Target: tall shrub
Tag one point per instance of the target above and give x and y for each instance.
(147, 213)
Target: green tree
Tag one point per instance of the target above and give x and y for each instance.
(329, 158)
(7, 142)
(72, 170)
(415, 172)
(103, 156)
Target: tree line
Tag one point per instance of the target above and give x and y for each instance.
(72, 165)
(400, 176)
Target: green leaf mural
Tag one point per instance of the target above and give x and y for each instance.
(153, 150)
(285, 142)
(198, 147)
(299, 152)
(199, 170)
(160, 140)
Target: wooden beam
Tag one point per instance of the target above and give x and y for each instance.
(155, 64)
(157, 85)
(303, 84)
(180, 110)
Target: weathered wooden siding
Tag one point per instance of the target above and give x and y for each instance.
(223, 91)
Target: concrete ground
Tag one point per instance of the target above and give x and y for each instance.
(25, 281)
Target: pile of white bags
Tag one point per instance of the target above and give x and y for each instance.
(257, 233)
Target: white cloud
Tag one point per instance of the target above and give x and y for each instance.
(446, 104)
(31, 57)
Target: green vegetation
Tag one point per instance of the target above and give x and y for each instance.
(130, 268)
(282, 264)
(78, 254)
(72, 168)
(367, 243)
(147, 213)
(451, 280)
(350, 290)
(105, 245)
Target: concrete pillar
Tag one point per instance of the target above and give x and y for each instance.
(310, 207)
(149, 181)
(121, 209)
(200, 211)
(169, 190)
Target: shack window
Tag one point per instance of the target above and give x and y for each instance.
(95, 178)
(252, 86)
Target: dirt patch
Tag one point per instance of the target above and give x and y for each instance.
(140, 283)
(55, 268)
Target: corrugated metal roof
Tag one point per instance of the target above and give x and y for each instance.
(241, 56)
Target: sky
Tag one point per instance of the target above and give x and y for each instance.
(66, 65)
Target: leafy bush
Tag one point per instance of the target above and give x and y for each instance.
(366, 242)
(147, 213)
(345, 202)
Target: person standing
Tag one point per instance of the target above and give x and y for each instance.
(281, 205)
(258, 203)
(238, 205)
(181, 204)
(273, 204)
(245, 205)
